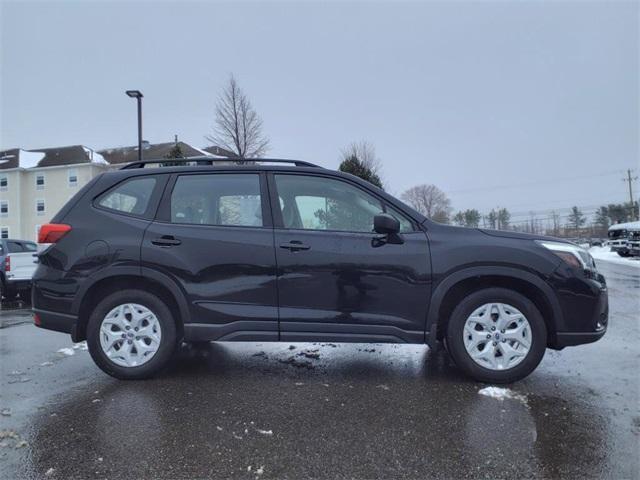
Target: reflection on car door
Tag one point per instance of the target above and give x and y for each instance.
(213, 236)
(335, 279)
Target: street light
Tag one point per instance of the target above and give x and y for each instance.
(137, 94)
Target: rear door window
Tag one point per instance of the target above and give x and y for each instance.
(217, 199)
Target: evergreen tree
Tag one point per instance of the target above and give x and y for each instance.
(354, 166)
(492, 219)
(603, 222)
(576, 219)
(175, 152)
(468, 218)
(503, 219)
(472, 218)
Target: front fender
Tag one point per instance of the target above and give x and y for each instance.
(448, 282)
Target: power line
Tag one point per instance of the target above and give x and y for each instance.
(538, 182)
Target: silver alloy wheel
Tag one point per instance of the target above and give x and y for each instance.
(130, 335)
(497, 336)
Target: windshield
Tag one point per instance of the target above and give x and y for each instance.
(617, 234)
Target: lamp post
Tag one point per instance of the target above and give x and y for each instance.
(137, 94)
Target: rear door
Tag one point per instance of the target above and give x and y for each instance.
(213, 235)
(337, 280)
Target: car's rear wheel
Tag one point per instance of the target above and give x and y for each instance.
(496, 335)
(131, 334)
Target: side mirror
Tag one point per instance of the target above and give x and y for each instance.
(386, 224)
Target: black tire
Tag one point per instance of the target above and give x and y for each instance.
(168, 339)
(465, 308)
(623, 254)
(10, 294)
(25, 294)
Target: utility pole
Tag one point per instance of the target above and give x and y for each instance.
(630, 180)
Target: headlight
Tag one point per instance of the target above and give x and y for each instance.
(574, 255)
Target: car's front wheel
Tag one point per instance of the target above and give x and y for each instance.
(131, 334)
(496, 335)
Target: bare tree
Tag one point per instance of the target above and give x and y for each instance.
(238, 126)
(365, 152)
(430, 201)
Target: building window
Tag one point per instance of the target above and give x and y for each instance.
(40, 207)
(4, 208)
(4, 232)
(4, 184)
(73, 177)
(40, 181)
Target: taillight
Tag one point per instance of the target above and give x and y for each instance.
(52, 232)
(7, 263)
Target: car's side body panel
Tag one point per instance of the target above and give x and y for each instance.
(348, 283)
(236, 283)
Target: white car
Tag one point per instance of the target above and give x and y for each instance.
(619, 236)
(18, 262)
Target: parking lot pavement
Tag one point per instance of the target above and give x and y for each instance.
(323, 411)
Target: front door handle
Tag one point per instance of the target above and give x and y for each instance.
(295, 246)
(166, 241)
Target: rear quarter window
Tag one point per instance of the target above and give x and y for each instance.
(15, 247)
(131, 197)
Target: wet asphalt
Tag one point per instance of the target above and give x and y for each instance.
(251, 410)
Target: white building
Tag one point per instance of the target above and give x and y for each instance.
(35, 184)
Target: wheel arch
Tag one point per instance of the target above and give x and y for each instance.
(461, 283)
(122, 279)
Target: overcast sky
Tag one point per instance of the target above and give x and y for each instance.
(528, 105)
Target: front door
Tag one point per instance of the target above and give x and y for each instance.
(213, 237)
(336, 279)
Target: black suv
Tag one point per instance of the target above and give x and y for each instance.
(273, 250)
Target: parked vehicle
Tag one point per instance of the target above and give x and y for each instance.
(18, 261)
(143, 258)
(619, 236)
(633, 243)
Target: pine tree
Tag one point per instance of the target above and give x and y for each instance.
(175, 152)
(355, 167)
(576, 219)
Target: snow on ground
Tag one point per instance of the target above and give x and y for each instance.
(500, 393)
(606, 255)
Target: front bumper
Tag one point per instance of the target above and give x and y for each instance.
(594, 322)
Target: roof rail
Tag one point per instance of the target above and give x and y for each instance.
(212, 160)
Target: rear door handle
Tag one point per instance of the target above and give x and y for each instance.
(295, 246)
(166, 241)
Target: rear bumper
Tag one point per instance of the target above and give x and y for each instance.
(58, 322)
(17, 283)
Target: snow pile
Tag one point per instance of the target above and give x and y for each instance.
(95, 156)
(502, 394)
(606, 255)
(66, 351)
(30, 159)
